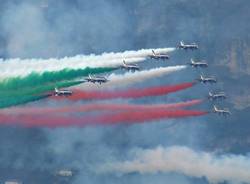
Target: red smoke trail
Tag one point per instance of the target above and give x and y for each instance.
(131, 93)
(98, 107)
(102, 119)
(147, 115)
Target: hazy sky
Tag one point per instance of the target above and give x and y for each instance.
(47, 28)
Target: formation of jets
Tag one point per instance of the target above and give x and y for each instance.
(206, 80)
(158, 56)
(212, 96)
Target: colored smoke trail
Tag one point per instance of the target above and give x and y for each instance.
(13, 101)
(146, 115)
(132, 78)
(129, 117)
(10, 98)
(36, 79)
(27, 66)
(20, 90)
(131, 93)
(96, 107)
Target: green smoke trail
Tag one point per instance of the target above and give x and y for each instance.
(12, 98)
(20, 90)
(36, 79)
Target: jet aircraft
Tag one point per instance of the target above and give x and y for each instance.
(217, 96)
(158, 56)
(58, 92)
(130, 67)
(223, 112)
(64, 173)
(192, 46)
(205, 80)
(196, 64)
(96, 79)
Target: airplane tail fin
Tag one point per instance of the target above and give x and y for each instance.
(56, 91)
(179, 45)
(107, 76)
(191, 63)
(210, 95)
(215, 108)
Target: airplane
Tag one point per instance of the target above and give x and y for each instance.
(130, 67)
(223, 112)
(158, 56)
(192, 46)
(217, 96)
(64, 173)
(98, 79)
(58, 92)
(196, 64)
(207, 79)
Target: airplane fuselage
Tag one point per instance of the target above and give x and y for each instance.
(208, 80)
(63, 93)
(131, 67)
(217, 97)
(159, 56)
(187, 46)
(97, 80)
(223, 112)
(64, 173)
(191, 47)
(199, 64)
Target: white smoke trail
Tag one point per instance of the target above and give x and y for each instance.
(183, 160)
(129, 78)
(18, 67)
(22, 68)
(139, 53)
